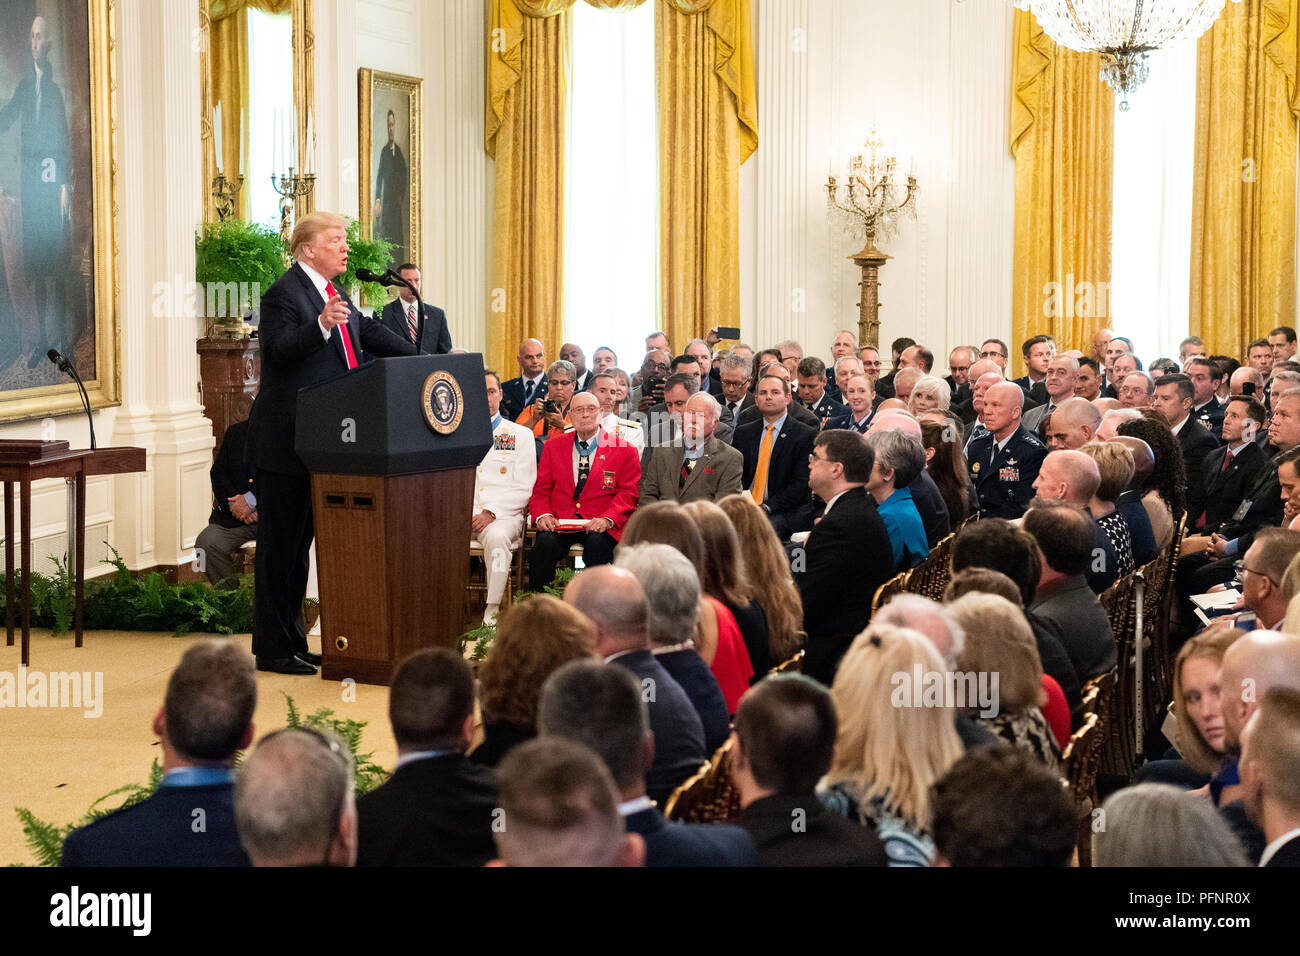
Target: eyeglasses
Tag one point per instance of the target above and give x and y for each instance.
(815, 457)
(1240, 568)
(992, 353)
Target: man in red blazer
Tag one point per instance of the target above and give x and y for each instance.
(584, 476)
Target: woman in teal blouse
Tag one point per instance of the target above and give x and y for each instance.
(899, 460)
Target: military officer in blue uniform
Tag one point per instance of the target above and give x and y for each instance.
(1206, 377)
(1004, 461)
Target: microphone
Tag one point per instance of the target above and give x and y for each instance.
(65, 366)
(387, 278)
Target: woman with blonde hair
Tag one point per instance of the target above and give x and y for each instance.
(1199, 742)
(766, 561)
(1000, 641)
(718, 638)
(534, 637)
(723, 576)
(1115, 464)
(929, 394)
(890, 748)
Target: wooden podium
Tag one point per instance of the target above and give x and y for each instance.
(23, 461)
(393, 449)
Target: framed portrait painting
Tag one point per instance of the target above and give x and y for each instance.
(391, 146)
(56, 206)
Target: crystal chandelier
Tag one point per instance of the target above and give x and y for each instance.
(1123, 31)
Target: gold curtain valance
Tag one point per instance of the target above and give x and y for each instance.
(220, 9)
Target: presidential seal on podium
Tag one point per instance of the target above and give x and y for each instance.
(443, 402)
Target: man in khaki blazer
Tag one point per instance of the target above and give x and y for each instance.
(696, 466)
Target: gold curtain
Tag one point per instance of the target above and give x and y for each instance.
(1244, 199)
(228, 46)
(1062, 124)
(708, 126)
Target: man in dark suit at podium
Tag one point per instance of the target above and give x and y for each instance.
(311, 332)
(401, 316)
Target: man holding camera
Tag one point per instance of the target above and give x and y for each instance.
(548, 415)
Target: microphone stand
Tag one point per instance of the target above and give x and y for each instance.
(419, 333)
(65, 365)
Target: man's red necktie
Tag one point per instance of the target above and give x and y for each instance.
(347, 339)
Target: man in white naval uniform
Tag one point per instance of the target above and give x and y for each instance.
(604, 386)
(502, 488)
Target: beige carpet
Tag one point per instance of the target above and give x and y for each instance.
(57, 761)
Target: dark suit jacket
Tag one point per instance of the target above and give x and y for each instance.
(1196, 443)
(231, 474)
(885, 386)
(745, 403)
(1266, 505)
(716, 473)
(679, 735)
(1288, 854)
(1056, 662)
(794, 829)
(431, 812)
(689, 670)
(845, 559)
(160, 831)
(1081, 623)
(787, 469)
(1036, 393)
(1224, 491)
(437, 337)
(512, 395)
(691, 844)
(296, 354)
(832, 413)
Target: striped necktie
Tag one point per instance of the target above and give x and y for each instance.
(410, 320)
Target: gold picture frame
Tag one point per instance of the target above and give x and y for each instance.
(72, 304)
(378, 95)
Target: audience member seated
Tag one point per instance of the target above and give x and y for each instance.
(1072, 478)
(1270, 775)
(932, 621)
(717, 638)
(1072, 424)
(1156, 825)
(294, 801)
(549, 415)
(529, 386)
(929, 394)
(861, 401)
(1261, 661)
(999, 641)
(925, 493)
(723, 576)
(995, 545)
(1062, 376)
(735, 374)
(831, 413)
(783, 744)
(1115, 470)
(905, 380)
(945, 463)
(1065, 537)
(898, 460)
(1088, 385)
(1173, 396)
(1198, 746)
(588, 480)
(1164, 493)
(233, 522)
(1113, 418)
(606, 386)
(1230, 471)
(1129, 502)
(998, 806)
(205, 719)
(776, 452)
(502, 486)
(699, 467)
(534, 637)
(614, 602)
(648, 383)
(796, 410)
(604, 708)
(436, 808)
(887, 756)
(562, 810)
(765, 561)
(1004, 461)
(672, 590)
(837, 576)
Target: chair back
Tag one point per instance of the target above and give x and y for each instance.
(895, 585)
(931, 576)
(792, 666)
(709, 796)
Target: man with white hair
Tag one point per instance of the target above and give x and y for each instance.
(905, 380)
(844, 369)
(1004, 461)
(698, 468)
(791, 355)
(844, 346)
(1111, 420)
(1073, 424)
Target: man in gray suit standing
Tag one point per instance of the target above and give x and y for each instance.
(698, 467)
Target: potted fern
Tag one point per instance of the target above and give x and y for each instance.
(374, 253)
(234, 263)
